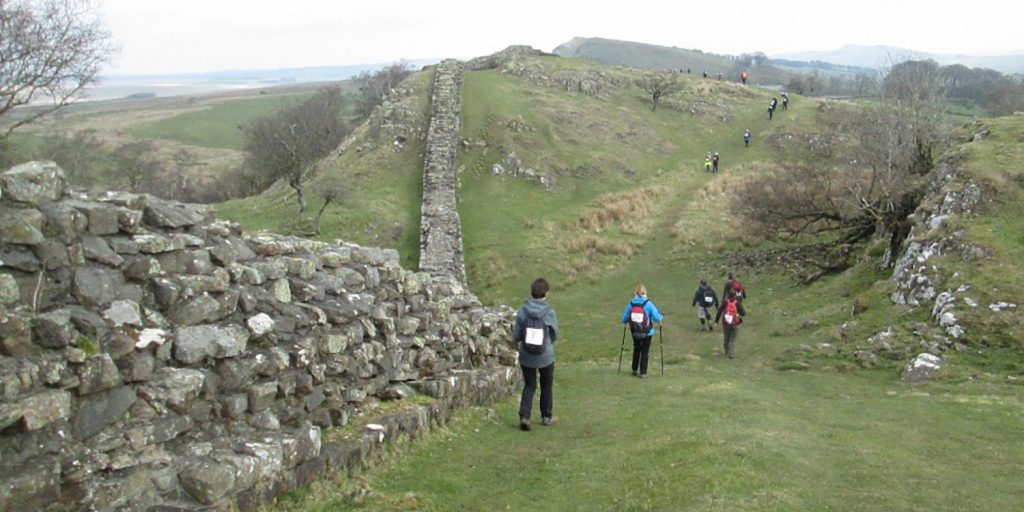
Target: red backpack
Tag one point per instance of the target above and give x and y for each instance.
(731, 315)
(639, 321)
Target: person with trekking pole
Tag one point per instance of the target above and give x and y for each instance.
(705, 299)
(731, 314)
(536, 330)
(640, 316)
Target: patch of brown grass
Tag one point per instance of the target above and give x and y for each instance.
(591, 244)
(628, 212)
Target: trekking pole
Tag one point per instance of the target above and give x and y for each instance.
(622, 348)
(661, 341)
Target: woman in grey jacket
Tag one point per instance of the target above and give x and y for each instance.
(536, 330)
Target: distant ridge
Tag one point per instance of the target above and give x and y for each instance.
(880, 56)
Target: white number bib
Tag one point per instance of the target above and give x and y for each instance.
(534, 336)
(728, 319)
(637, 318)
(709, 300)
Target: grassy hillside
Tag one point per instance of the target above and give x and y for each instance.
(649, 56)
(382, 205)
(800, 421)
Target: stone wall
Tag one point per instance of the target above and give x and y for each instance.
(440, 227)
(154, 358)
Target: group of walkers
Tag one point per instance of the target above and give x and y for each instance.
(536, 331)
(775, 103)
(711, 163)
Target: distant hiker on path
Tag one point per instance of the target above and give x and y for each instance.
(785, 101)
(733, 283)
(746, 138)
(705, 73)
(743, 77)
(771, 107)
(731, 314)
(707, 162)
(714, 163)
(705, 299)
(640, 315)
(536, 330)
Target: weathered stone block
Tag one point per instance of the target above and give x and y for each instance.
(9, 291)
(193, 344)
(207, 480)
(21, 226)
(175, 387)
(98, 373)
(22, 258)
(203, 308)
(32, 485)
(36, 411)
(123, 312)
(101, 409)
(97, 286)
(33, 182)
(169, 214)
(96, 249)
(55, 329)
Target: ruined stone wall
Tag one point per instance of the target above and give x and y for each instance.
(154, 358)
(440, 227)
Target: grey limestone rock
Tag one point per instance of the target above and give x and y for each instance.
(168, 214)
(21, 226)
(195, 343)
(94, 286)
(101, 409)
(97, 249)
(36, 411)
(33, 182)
(98, 373)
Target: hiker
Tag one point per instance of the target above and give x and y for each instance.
(719, 76)
(746, 138)
(707, 162)
(714, 163)
(733, 283)
(705, 73)
(743, 77)
(640, 315)
(705, 298)
(536, 330)
(731, 314)
(771, 108)
(785, 101)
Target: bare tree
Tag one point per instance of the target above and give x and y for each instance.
(290, 142)
(916, 100)
(657, 86)
(331, 191)
(374, 87)
(138, 164)
(50, 51)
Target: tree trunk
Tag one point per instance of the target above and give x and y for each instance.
(319, 214)
(300, 195)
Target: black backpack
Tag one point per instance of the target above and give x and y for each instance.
(535, 333)
(708, 298)
(639, 321)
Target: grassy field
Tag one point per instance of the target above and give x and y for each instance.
(215, 126)
(797, 422)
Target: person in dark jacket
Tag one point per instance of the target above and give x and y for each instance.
(731, 314)
(642, 340)
(534, 310)
(785, 101)
(746, 138)
(714, 163)
(705, 299)
(730, 283)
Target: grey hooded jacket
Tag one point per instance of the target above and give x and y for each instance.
(536, 308)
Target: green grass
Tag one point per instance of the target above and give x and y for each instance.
(214, 126)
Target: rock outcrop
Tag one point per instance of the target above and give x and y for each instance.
(155, 358)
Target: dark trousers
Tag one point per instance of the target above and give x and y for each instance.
(641, 347)
(547, 378)
(729, 333)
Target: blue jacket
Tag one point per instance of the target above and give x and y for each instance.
(650, 308)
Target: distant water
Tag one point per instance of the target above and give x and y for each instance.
(118, 88)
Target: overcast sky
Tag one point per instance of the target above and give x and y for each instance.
(171, 36)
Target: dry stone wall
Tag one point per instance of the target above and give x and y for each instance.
(440, 226)
(155, 358)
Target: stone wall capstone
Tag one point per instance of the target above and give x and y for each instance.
(155, 358)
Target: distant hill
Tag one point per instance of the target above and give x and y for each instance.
(879, 56)
(649, 56)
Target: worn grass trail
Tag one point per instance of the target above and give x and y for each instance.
(715, 434)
